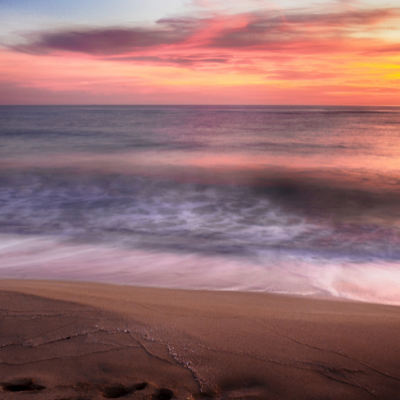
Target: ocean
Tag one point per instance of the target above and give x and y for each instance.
(280, 199)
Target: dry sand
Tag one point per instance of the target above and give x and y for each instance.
(64, 340)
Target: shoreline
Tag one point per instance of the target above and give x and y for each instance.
(94, 341)
(327, 297)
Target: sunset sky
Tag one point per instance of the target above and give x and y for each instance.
(200, 52)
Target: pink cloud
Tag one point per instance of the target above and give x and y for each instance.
(11, 93)
(293, 74)
(247, 32)
(259, 57)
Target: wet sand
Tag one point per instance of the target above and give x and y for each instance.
(68, 340)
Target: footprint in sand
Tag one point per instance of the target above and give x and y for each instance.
(163, 394)
(21, 385)
(108, 392)
(116, 391)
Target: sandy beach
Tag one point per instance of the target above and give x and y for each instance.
(64, 340)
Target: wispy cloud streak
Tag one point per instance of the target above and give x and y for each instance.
(336, 55)
(267, 31)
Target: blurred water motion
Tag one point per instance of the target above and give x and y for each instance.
(298, 200)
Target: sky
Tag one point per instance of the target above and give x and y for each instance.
(334, 52)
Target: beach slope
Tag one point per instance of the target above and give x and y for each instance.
(69, 340)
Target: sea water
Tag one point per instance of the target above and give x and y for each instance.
(284, 199)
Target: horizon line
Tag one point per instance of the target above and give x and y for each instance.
(196, 105)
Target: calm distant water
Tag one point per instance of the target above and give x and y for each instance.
(300, 200)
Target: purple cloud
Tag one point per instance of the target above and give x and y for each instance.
(106, 41)
(307, 32)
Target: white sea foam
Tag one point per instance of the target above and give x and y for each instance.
(44, 258)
